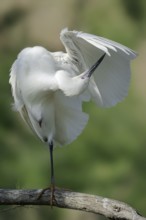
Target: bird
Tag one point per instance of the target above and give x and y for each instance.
(49, 88)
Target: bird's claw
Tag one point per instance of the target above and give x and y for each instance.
(52, 196)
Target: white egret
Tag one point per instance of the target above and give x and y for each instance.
(49, 87)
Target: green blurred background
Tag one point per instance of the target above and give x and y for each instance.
(109, 158)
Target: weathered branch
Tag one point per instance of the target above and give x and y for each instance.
(72, 200)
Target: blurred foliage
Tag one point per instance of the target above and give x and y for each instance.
(135, 9)
(109, 158)
(11, 18)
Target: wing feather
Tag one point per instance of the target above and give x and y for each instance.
(70, 120)
(19, 104)
(110, 82)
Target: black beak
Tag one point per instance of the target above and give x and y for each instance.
(90, 71)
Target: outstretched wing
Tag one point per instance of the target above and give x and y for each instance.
(110, 82)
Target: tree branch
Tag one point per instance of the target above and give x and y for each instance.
(72, 200)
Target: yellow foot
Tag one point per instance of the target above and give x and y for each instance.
(52, 198)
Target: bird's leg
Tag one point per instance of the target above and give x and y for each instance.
(52, 186)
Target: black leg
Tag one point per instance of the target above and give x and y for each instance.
(52, 164)
(52, 186)
(52, 173)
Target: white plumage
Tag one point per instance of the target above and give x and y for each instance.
(49, 88)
